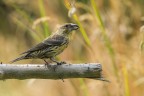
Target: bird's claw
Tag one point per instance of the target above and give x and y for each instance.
(63, 62)
(60, 63)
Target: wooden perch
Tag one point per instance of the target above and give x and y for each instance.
(52, 71)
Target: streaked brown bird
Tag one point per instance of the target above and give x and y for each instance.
(51, 46)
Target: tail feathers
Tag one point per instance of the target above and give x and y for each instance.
(17, 59)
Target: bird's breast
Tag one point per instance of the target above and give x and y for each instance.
(59, 49)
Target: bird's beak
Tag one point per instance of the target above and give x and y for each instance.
(75, 27)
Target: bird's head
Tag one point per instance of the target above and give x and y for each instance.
(68, 28)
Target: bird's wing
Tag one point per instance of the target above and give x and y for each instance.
(55, 40)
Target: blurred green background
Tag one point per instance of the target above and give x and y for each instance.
(111, 33)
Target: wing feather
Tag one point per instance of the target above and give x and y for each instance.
(55, 40)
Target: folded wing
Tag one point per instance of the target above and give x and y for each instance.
(56, 40)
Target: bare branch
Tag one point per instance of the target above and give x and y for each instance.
(52, 71)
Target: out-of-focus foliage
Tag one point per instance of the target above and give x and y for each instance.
(110, 32)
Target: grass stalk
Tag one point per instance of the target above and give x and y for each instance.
(84, 87)
(126, 81)
(105, 37)
(82, 30)
(43, 14)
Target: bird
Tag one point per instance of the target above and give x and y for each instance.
(52, 46)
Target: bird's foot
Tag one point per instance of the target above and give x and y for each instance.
(60, 63)
(47, 64)
(63, 62)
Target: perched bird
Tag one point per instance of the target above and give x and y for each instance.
(51, 46)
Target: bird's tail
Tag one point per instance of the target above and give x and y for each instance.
(17, 59)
